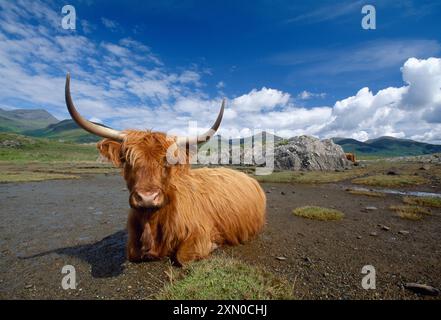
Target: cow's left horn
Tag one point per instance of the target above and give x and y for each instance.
(208, 134)
(93, 128)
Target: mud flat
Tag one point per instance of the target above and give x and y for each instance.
(46, 225)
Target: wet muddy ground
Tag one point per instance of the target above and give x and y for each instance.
(46, 225)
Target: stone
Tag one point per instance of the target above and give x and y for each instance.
(422, 289)
(282, 193)
(310, 153)
(403, 232)
(373, 234)
(281, 258)
(371, 208)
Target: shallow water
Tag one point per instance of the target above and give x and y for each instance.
(403, 193)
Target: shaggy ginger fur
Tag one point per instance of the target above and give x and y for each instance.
(200, 209)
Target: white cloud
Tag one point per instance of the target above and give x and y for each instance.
(265, 98)
(220, 85)
(110, 24)
(305, 95)
(410, 111)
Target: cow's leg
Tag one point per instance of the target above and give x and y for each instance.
(195, 247)
(135, 229)
(148, 247)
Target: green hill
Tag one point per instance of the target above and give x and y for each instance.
(20, 120)
(19, 148)
(387, 147)
(65, 130)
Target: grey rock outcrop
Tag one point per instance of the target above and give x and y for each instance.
(310, 153)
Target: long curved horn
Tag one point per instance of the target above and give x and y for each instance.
(85, 124)
(208, 134)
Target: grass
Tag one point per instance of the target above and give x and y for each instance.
(383, 180)
(423, 201)
(25, 159)
(309, 177)
(44, 150)
(366, 193)
(223, 278)
(410, 212)
(318, 213)
(32, 176)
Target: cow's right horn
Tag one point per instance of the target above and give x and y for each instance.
(93, 128)
(205, 136)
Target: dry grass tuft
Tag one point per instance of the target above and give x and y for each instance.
(410, 212)
(423, 201)
(388, 181)
(318, 213)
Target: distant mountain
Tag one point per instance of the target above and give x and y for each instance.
(65, 130)
(40, 123)
(20, 120)
(387, 146)
(257, 137)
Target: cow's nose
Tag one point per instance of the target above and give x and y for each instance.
(145, 199)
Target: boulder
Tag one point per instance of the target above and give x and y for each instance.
(310, 153)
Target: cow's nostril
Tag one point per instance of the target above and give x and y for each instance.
(146, 199)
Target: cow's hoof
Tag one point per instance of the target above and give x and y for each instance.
(149, 256)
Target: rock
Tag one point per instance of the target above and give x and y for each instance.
(28, 286)
(422, 289)
(373, 234)
(425, 167)
(282, 193)
(385, 228)
(307, 259)
(392, 173)
(310, 153)
(403, 232)
(11, 144)
(371, 208)
(359, 237)
(281, 258)
(268, 191)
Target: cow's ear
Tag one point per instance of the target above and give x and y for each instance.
(111, 150)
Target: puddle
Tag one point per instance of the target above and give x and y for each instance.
(401, 193)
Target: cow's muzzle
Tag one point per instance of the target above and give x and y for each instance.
(145, 199)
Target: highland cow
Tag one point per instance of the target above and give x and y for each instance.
(177, 211)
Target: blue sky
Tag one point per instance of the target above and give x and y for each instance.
(297, 67)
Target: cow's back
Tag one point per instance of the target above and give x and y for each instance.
(229, 202)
